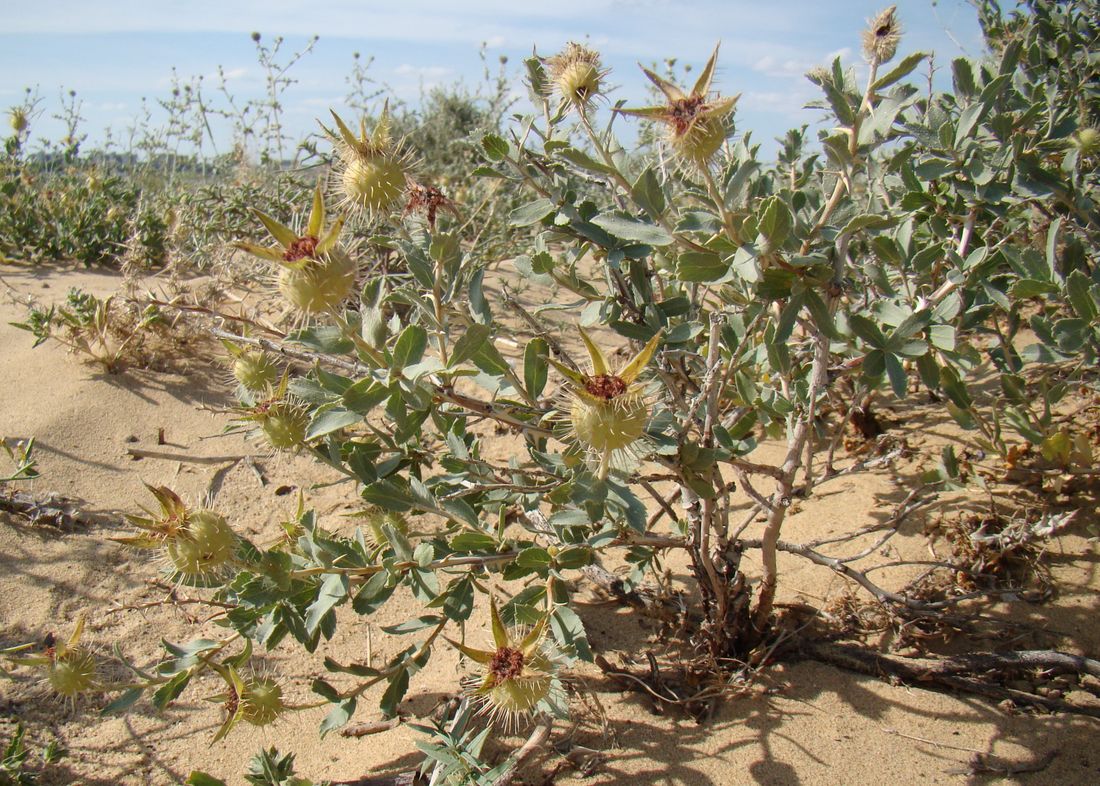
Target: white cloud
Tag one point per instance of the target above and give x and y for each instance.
(423, 72)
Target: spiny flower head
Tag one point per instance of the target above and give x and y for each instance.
(281, 418)
(198, 543)
(316, 274)
(697, 123)
(17, 119)
(608, 410)
(518, 673)
(576, 74)
(371, 171)
(253, 369)
(881, 38)
(257, 700)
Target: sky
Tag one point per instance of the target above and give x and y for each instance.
(115, 52)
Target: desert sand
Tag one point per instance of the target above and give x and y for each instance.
(801, 723)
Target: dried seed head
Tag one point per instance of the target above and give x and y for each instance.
(608, 424)
(697, 122)
(377, 519)
(576, 74)
(608, 411)
(881, 38)
(517, 674)
(373, 184)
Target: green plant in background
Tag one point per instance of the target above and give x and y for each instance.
(91, 326)
(750, 301)
(15, 767)
(21, 455)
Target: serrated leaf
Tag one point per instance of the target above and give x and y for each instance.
(496, 148)
(775, 222)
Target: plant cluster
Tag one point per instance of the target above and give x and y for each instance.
(926, 241)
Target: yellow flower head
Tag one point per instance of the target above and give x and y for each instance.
(282, 419)
(608, 411)
(576, 74)
(316, 274)
(198, 543)
(519, 672)
(371, 172)
(697, 123)
(257, 700)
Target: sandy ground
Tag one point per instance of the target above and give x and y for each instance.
(804, 723)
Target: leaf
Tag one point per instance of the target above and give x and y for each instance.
(701, 267)
(171, 689)
(199, 778)
(123, 702)
(399, 685)
(338, 716)
(366, 394)
(867, 221)
(535, 366)
(581, 159)
(775, 222)
(648, 194)
(569, 631)
(868, 331)
(495, 147)
(968, 120)
(896, 372)
(962, 75)
(1078, 289)
(333, 592)
(410, 347)
(900, 71)
(473, 541)
(632, 229)
(479, 306)
(531, 213)
(1052, 247)
(413, 625)
(331, 420)
(325, 339)
(469, 343)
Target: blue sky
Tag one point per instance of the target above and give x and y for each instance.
(114, 52)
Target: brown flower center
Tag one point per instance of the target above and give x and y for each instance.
(605, 386)
(507, 663)
(684, 111)
(301, 248)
